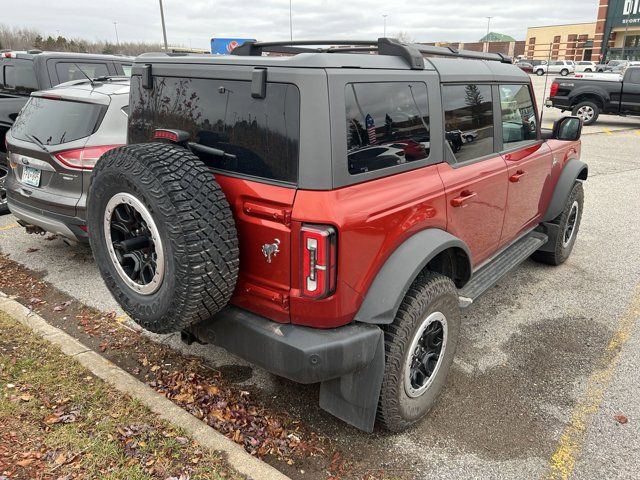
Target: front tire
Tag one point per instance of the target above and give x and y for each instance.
(540, 72)
(162, 234)
(419, 348)
(568, 225)
(587, 111)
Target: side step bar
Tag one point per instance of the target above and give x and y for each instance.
(487, 276)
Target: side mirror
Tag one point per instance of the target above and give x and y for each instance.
(568, 129)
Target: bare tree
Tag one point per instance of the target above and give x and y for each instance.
(18, 38)
(404, 37)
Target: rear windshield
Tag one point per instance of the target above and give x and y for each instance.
(79, 71)
(53, 122)
(19, 75)
(229, 129)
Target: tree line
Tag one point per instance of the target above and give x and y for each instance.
(22, 38)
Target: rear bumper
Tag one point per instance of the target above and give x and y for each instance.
(559, 102)
(69, 227)
(301, 354)
(348, 361)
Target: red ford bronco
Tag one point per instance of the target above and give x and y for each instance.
(327, 212)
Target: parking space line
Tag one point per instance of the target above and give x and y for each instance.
(9, 227)
(607, 131)
(571, 441)
(638, 132)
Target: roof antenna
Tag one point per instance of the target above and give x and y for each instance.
(546, 81)
(84, 73)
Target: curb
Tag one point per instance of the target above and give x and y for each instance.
(206, 436)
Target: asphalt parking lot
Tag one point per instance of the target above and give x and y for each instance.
(546, 360)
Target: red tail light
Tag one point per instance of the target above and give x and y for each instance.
(554, 89)
(319, 259)
(82, 158)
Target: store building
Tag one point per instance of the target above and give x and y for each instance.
(618, 30)
(561, 42)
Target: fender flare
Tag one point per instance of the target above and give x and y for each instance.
(393, 280)
(572, 171)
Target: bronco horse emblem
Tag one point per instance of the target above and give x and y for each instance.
(271, 249)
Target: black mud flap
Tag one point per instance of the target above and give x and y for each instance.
(353, 398)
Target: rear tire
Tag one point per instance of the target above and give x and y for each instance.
(162, 234)
(407, 393)
(564, 72)
(568, 225)
(4, 171)
(587, 111)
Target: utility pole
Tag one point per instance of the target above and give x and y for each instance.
(164, 30)
(384, 34)
(115, 26)
(290, 21)
(488, 27)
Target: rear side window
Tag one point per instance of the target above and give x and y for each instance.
(634, 76)
(468, 114)
(68, 71)
(20, 75)
(53, 122)
(387, 125)
(229, 129)
(519, 124)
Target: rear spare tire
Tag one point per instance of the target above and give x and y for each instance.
(162, 234)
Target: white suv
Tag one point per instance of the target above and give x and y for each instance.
(563, 67)
(586, 67)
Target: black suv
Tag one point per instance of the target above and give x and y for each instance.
(24, 72)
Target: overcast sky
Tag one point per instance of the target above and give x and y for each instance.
(194, 22)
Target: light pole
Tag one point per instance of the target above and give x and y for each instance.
(164, 30)
(290, 21)
(626, 30)
(488, 27)
(384, 34)
(115, 26)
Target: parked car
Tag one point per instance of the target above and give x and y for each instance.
(233, 214)
(525, 67)
(587, 98)
(611, 64)
(53, 147)
(585, 66)
(563, 67)
(24, 72)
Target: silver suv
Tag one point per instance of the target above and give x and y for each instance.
(53, 146)
(563, 67)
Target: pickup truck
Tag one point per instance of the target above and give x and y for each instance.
(587, 98)
(24, 72)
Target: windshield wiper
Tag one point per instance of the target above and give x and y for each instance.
(37, 140)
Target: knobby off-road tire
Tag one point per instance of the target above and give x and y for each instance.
(190, 227)
(568, 225)
(432, 296)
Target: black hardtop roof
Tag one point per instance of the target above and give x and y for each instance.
(452, 65)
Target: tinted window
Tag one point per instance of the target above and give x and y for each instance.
(55, 121)
(19, 75)
(73, 71)
(634, 76)
(127, 70)
(518, 115)
(230, 129)
(387, 124)
(468, 120)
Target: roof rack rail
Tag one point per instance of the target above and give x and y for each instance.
(413, 53)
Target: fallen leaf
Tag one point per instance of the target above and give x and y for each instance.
(621, 419)
(51, 419)
(26, 462)
(26, 397)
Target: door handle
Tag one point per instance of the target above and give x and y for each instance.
(464, 197)
(515, 178)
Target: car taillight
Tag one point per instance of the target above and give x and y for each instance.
(83, 158)
(554, 89)
(319, 260)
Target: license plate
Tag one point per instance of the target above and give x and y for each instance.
(31, 176)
